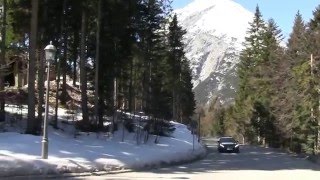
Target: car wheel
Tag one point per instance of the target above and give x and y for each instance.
(237, 151)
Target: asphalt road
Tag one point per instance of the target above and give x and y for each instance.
(252, 163)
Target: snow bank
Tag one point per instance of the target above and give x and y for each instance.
(20, 154)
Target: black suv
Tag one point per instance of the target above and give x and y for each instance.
(228, 144)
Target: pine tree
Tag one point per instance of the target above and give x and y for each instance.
(249, 59)
(297, 43)
(258, 66)
(19, 20)
(304, 119)
(186, 94)
(313, 125)
(273, 58)
(176, 56)
(151, 37)
(297, 55)
(314, 30)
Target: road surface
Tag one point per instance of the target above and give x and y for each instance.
(251, 163)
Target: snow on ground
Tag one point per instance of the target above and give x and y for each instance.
(20, 154)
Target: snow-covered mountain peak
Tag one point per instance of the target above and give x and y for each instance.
(220, 17)
(215, 32)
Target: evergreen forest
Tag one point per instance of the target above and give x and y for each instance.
(277, 101)
(118, 54)
(129, 55)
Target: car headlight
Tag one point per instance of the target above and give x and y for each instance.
(221, 145)
(237, 145)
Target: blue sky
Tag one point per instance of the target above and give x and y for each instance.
(282, 11)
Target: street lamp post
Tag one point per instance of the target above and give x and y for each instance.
(50, 52)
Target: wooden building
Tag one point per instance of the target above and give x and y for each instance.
(16, 71)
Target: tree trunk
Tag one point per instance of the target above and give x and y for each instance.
(83, 73)
(174, 114)
(130, 99)
(75, 55)
(31, 123)
(41, 71)
(40, 86)
(97, 92)
(115, 94)
(149, 103)
(131, 86)
(3, 61)
(55, 122)
(64, 57)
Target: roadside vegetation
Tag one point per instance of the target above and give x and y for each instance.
(111, 56)
(277, 102)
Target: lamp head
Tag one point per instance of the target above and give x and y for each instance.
(50, 52)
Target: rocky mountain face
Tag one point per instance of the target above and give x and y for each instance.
(215, 32)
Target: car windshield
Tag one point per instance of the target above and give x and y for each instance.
(227, 139)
